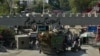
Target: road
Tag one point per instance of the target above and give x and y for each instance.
(67, 20)
(90, 51)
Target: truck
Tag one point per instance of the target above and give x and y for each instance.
(50, 42)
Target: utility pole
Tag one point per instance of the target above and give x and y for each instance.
(43, 7)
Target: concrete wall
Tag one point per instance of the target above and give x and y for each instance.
(22, 42)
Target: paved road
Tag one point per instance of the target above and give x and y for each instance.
(90, 51)
(67, 20)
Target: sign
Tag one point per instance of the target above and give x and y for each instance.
(92, 29)
(43, 28)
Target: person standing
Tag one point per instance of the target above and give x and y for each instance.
(68, 39)
(32, 39)
(76, 43)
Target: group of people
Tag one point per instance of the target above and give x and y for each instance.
(73, 41)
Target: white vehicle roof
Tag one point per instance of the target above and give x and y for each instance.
(23, 35)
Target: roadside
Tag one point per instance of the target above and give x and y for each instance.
(90, 51)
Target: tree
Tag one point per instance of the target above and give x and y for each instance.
(1, 1)
(38, 6)
(55, 4)
(59, 4)
(64, 4)
(3, 7)
(80, 5)
(9, 5)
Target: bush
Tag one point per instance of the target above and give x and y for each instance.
(6, 32)
(2, 28)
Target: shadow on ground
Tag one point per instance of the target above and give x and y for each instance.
(3, 49)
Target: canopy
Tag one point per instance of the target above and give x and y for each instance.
(87, 34)
(78, 26)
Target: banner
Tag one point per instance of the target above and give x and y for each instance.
(92, 29)
(43, 28)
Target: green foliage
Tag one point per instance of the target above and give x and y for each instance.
(59, 4)
(6, 32)
(92, 3)
(80, 5)
(4, 9)
(2, 28)
(55, 4)
(38, 6)
(1, 1)
(64, 5)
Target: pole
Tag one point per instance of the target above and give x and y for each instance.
(43, 7)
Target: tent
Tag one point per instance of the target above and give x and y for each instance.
(87, 34)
